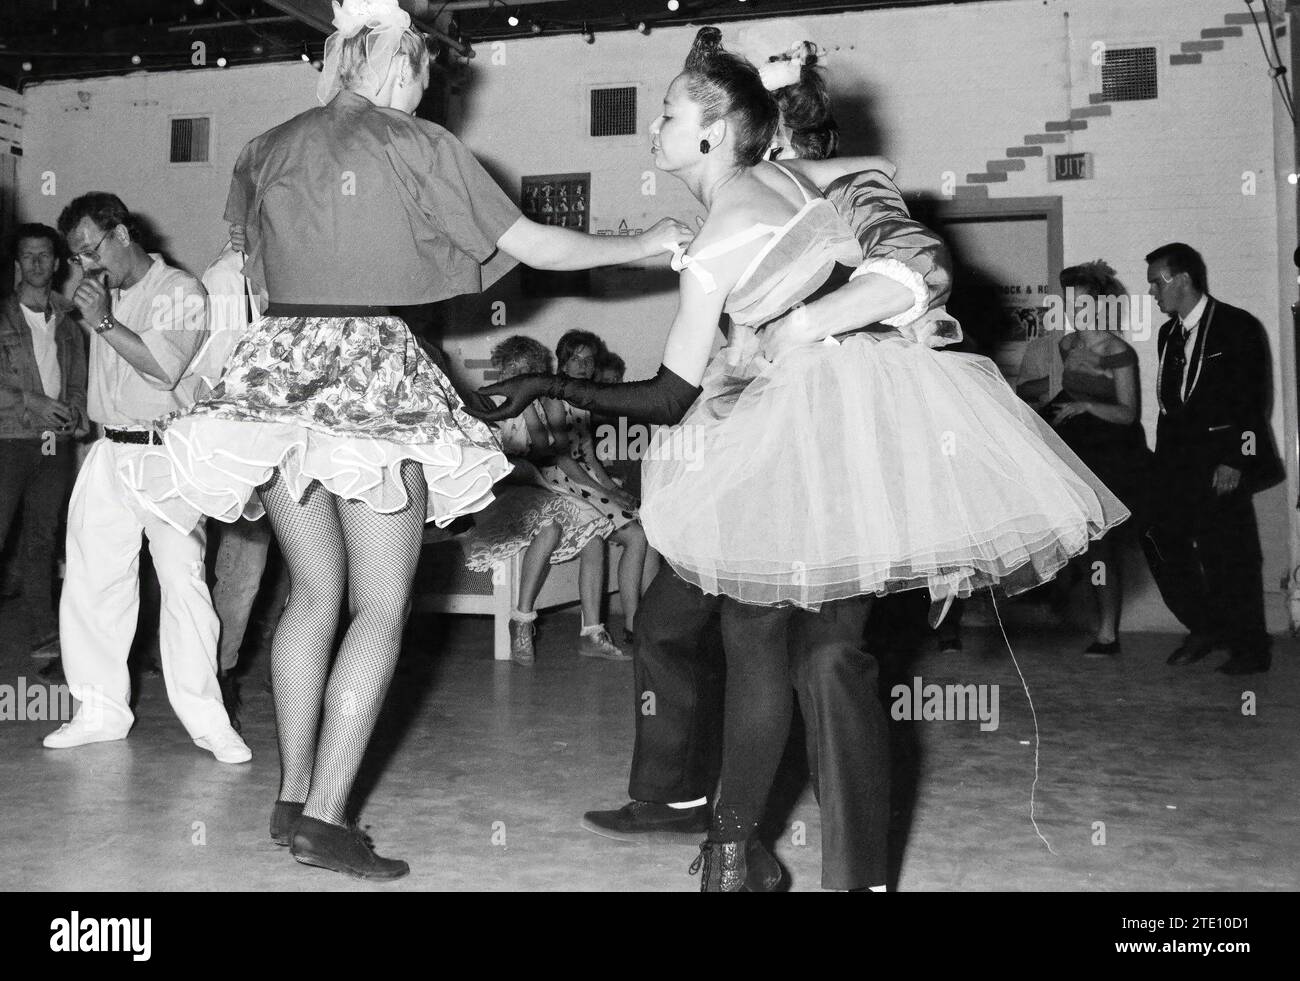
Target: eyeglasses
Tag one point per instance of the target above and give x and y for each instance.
(91, 255)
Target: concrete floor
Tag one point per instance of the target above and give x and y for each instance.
(483, 769)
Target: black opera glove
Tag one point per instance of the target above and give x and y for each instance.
(661, 400)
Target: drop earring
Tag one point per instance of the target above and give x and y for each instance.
(704, 146)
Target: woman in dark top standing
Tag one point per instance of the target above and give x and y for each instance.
(1097, 414)
(328, 407)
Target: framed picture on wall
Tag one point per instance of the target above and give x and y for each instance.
(561, 200)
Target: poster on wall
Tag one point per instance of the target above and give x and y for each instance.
(559, 200)
(1002, 267)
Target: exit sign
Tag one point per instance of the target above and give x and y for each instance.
(1071, 167)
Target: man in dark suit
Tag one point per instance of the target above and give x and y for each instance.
(1213, 451)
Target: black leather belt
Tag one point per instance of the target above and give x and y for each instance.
(325, 310)
(144, 437)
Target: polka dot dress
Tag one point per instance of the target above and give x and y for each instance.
(578, 428)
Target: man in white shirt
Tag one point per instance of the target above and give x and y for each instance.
(146, 322)
(42, 411)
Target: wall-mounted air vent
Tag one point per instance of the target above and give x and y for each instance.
(1128, 74)
(189, 139)
(613, 111)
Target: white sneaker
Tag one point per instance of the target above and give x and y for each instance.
(226, 746)
(599, 644)
(81, 731)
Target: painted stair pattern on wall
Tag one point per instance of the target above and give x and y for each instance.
(1055, 132)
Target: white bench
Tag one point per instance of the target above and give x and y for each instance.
(445, 585)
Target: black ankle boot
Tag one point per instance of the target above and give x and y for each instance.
(346, 850)
(284, 815)
(733, 858)
(724, 866)
(733, 866)
(763, 872)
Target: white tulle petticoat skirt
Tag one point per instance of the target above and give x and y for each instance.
(341, 400)
(867, 467)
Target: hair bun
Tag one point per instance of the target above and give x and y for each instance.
(707, 46)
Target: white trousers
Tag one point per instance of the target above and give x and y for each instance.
(101, 600)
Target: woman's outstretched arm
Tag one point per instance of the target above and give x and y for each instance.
(554, 248)
(663, 399)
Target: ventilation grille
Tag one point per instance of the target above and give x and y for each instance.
(1128, 74)
(190, 139)
(613, 112)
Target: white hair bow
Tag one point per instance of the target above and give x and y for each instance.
(387, 23)
(785, 69)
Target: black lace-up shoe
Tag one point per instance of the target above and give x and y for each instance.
(639, 818)
(734, 866)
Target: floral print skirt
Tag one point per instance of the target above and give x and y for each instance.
(341, 400)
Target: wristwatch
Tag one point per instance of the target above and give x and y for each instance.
(106, 323)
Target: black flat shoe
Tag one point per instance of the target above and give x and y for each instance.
(639, 818)
(284, 815)
(1098, 649)
(346, 850)
(1191, 650)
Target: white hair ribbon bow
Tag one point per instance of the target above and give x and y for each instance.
(784, 69)
(387, 23)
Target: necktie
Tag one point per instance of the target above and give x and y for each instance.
(1186, 381)
(1171, 384)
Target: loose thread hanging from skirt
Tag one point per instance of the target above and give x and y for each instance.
(1034, 786)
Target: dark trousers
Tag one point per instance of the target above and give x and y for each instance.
(1206, 560)
(677, 663)
(836, 682)
(35, 484)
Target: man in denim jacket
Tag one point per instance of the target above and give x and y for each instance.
(42, 412)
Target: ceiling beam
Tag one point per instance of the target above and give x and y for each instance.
(225, 25)
(317, 13)
(320, 15)
(455, 5)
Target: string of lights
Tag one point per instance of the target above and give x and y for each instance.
(1276, 69)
